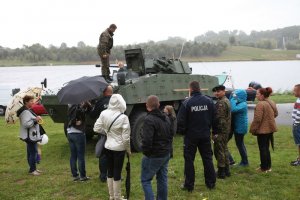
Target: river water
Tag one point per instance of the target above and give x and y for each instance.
(280, 75)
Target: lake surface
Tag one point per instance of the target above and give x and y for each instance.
(280, 75)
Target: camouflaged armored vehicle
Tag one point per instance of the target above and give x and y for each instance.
(166, 78)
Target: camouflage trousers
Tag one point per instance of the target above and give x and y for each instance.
(221, 150)
(105, 66)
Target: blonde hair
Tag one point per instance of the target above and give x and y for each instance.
(170, 110)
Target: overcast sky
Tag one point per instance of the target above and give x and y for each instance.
(56, 21)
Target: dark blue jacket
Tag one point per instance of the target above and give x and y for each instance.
(196, 116)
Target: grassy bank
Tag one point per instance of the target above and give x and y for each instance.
(283, 98)
(12, 63)
(242, 53)
(232, 53)
(56, 182)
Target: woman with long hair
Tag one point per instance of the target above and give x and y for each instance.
(263, 126)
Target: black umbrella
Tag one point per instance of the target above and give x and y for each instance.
(82, 89)
(127, 182)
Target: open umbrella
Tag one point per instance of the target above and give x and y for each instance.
(82, 89)
(17, 102)
(127, 182)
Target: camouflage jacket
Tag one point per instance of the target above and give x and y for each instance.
(223, 116)
(106, 42)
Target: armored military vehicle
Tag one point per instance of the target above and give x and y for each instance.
(166, 78)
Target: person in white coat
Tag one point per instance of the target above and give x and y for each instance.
(116, 125)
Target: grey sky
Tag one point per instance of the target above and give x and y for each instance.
(56, 21)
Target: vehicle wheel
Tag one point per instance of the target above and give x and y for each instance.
(136, 124)
(89, 133)
(2, 110)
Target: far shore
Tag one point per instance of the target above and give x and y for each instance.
(191, 60)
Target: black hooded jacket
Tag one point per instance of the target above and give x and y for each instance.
(157, 134)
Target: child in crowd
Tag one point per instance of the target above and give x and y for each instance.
(170, 112)
(296, 123)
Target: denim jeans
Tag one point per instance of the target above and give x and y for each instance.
(239, 141)
(31, 155)
(150, 168)
(103, 167)
(263, 141)
(77, 143)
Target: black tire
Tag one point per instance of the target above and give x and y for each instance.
(136, 124)
(89, 133)
(2, 110)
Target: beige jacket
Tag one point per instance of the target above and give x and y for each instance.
(264, 118)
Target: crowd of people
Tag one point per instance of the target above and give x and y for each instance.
(201, 120)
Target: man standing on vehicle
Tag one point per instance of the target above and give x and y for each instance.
(156, 144)
(222, 131)
(100, 106)
(106, 43)
(195, 120)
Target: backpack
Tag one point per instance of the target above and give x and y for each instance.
(75, 113)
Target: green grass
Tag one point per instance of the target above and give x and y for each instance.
(242, 53)
(283, 98)
(56, 181)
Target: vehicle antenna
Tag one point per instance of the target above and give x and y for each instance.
(181, 50)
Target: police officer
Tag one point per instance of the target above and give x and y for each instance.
(222, 131)
(195, 120)
(100, 106)
(106, 43)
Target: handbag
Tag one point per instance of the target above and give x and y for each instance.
(42, 130)
(99, 148)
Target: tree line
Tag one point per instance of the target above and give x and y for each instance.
(282, 38)
(84, 53)
(208, 44)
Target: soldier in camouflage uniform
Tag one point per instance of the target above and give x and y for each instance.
(221, 131)
(106, 43)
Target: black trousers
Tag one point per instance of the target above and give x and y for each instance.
(190, 149)
(115, 160)
(263, 141)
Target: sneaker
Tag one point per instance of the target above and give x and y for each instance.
(35, 173)
(103, 180)
(268, 170)
(232, 163)
(297, 159)
(260, 170)
(184, 188)
(77, 178)
(243, 164)
(39, 171)
(295, 163)
(85, 179)
(211, 186)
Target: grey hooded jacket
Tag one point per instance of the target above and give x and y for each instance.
(29, 128)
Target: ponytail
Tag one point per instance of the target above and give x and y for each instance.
(266, 92)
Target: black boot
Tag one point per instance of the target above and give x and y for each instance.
(221, 173)
(227, 171)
